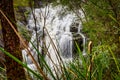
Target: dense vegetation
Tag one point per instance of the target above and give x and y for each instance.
(101, 25)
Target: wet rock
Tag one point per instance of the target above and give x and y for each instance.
(77, 39)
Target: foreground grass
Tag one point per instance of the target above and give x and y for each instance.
(101, 64)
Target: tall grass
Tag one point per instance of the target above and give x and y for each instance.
(78, 69)
(2, 73)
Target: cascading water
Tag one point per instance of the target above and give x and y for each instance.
(56, 23)
(84, 39)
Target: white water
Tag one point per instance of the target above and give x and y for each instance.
(58, 25)
(84, 39)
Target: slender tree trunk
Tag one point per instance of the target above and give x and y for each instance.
(11, 42)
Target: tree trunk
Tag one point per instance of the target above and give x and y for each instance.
(11, 42)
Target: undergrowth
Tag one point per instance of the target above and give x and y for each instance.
(104, 66)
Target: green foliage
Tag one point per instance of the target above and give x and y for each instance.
(21, 3)
(101, 65)
(2, 73)
(79, 68)
(115, 60)
(102, 25)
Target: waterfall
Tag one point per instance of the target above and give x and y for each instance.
(84, 39)
(58, 38)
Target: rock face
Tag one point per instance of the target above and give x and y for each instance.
(77, 38)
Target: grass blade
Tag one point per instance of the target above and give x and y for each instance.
(20, 62)
(116, 62)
